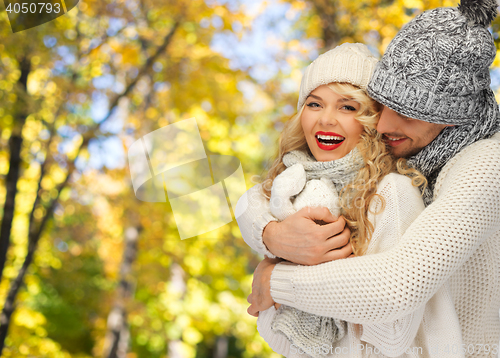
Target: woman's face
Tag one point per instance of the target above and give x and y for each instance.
(329, 125)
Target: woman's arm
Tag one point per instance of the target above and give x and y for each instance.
(277, 341)
(253, 214)
(298, 238)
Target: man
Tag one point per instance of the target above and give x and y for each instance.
(440, 113)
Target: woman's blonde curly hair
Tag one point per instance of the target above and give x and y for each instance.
(356, 197)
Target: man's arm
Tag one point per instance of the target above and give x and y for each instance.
(298, 238)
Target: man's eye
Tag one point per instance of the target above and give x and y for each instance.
(313, 105)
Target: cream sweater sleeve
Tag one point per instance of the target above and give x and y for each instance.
(252, 214)
(276, 340)
(390, 285)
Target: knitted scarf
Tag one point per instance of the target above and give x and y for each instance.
(341, 171)
(306, 330)
(432, 158)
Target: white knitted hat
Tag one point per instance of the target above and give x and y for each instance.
(347, 63)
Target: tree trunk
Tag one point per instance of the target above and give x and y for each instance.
(117, 337)
(178, 283)
(33, 237)
(221, 347)
(15, 145)
(327, 10)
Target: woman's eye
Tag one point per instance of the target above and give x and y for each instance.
(313, 105)
(349, 108)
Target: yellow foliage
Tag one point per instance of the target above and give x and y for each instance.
(192, 336)
(194, 264)
(28, 318)
(151, 113)
(496, 61)
(6, 135)
(414, 4)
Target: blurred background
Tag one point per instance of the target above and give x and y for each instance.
(88, 270)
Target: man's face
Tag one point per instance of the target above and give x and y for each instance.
(406, 136)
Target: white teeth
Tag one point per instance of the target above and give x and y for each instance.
(329, 137)
(393, 139)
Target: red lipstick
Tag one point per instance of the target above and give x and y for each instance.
(328, 146)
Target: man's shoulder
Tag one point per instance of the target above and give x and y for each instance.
(493, 142)
(488, 150)
(477, 160)
(484, 148)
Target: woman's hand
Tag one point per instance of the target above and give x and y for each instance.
(260, 299)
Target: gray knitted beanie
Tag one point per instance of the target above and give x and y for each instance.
(436, 69)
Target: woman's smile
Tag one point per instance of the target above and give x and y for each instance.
(329, 140)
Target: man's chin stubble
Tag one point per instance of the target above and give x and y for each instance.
(406, 153)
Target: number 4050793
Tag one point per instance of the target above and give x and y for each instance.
(34, 8)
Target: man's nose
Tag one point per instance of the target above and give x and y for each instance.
(386, 123)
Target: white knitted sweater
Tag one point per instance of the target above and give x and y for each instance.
(454, 242)
(390, 339)
(306, 330)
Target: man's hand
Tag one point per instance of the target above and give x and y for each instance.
(299, 239)
(260, 299)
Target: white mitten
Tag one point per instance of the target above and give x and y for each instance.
(319, 193)
(288, 183)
